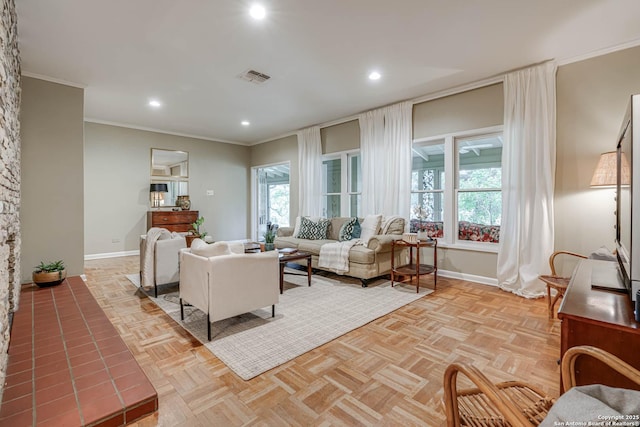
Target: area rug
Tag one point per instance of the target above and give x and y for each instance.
(306, 317)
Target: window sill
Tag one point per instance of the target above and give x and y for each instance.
(470, 246)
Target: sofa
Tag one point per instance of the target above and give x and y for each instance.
(368, 260)
(223, 281)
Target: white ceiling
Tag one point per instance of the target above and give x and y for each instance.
(188, 54)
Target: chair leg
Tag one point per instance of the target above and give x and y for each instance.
(208, 327)
(273, 310)
(155, 289)
(549, 307)
(181, 310)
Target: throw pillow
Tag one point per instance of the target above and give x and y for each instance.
(357, 230)
(370, 227)
(296, 226)
(199, 247)
(346, 231)
(313, 230)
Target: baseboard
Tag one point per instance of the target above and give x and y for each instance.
(468, 277)
(111, 255)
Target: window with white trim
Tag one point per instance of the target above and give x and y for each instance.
(342, 184)
(456, 187)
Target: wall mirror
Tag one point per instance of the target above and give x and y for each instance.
(175, 188)
(169, 163)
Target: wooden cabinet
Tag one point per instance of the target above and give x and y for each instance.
(179, 221)
(602, 319)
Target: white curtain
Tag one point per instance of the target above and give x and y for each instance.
(385, 144)
(528, 174)
(310, 172)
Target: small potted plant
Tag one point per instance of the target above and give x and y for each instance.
(49, 274)
(270, 237)
(195, 232)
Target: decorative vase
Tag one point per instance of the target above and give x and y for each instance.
(422, 235)
(183, 202)
(46, 279)
(269, 246)
(189, 238)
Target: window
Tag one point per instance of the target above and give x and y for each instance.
(479, 189)
(270, 197)
(427, 188)
(456, 186)
(342, 184)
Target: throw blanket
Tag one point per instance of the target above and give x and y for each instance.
(335, 256)
(148, 269)
(596, 403)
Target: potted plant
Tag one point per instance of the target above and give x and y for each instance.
(49, 274)
(270, 237)
(195, 232)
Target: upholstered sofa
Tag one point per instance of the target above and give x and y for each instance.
(368, 260)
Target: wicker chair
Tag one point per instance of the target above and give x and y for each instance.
(514, 403)
(510, 403)
(571, 355)
(556, 282)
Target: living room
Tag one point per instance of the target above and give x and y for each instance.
(85, 181)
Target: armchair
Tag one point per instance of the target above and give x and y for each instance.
(159, 250)
(223, 281)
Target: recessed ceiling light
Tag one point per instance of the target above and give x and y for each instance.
(257, 11)
(245, 123)
(374, 75)
(155, 103)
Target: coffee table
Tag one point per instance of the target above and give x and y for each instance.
(295, 256)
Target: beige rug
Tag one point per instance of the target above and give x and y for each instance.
(306, 317)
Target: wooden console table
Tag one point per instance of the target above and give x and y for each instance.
(415, 269)
(600, 318)
(178, 221)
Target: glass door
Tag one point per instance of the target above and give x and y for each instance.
(271, 198)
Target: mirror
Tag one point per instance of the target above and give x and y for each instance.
(169, 163)
(175, 189)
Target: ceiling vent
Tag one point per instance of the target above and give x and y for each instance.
(254, 76)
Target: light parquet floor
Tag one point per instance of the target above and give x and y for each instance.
(386, 373)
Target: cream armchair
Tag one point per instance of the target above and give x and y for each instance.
(222, 281)
(159, 256)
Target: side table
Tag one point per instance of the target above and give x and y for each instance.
(415, 268)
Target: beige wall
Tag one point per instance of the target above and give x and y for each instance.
(117, 175)
(342, 137)
(52, 198)
(474, 109)
(592, 97)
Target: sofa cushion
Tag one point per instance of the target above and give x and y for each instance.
(313, 246)
(346, 231)
(201, 248)
(370, 227)
(313, 230)
(362, 255)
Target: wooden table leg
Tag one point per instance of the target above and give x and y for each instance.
(309, 270)
(281, 277)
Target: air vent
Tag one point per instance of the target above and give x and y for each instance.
(254, 76)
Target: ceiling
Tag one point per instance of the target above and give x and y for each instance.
(187, 54)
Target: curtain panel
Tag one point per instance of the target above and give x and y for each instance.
(385, 144)
(528, 175)
(310, 172)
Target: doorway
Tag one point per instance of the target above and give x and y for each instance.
(271, 198)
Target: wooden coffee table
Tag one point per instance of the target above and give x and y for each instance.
(295, 256)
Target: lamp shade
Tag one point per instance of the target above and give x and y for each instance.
(605, 173)
(158, 188)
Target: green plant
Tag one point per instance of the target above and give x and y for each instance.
(49, 267)
(195, 228)
(269, 236)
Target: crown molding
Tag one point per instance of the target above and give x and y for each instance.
(599, 52)
(53, 80)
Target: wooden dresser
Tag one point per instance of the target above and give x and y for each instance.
(179, 221)
(601, 319)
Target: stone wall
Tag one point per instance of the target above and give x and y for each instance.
(9, 176)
